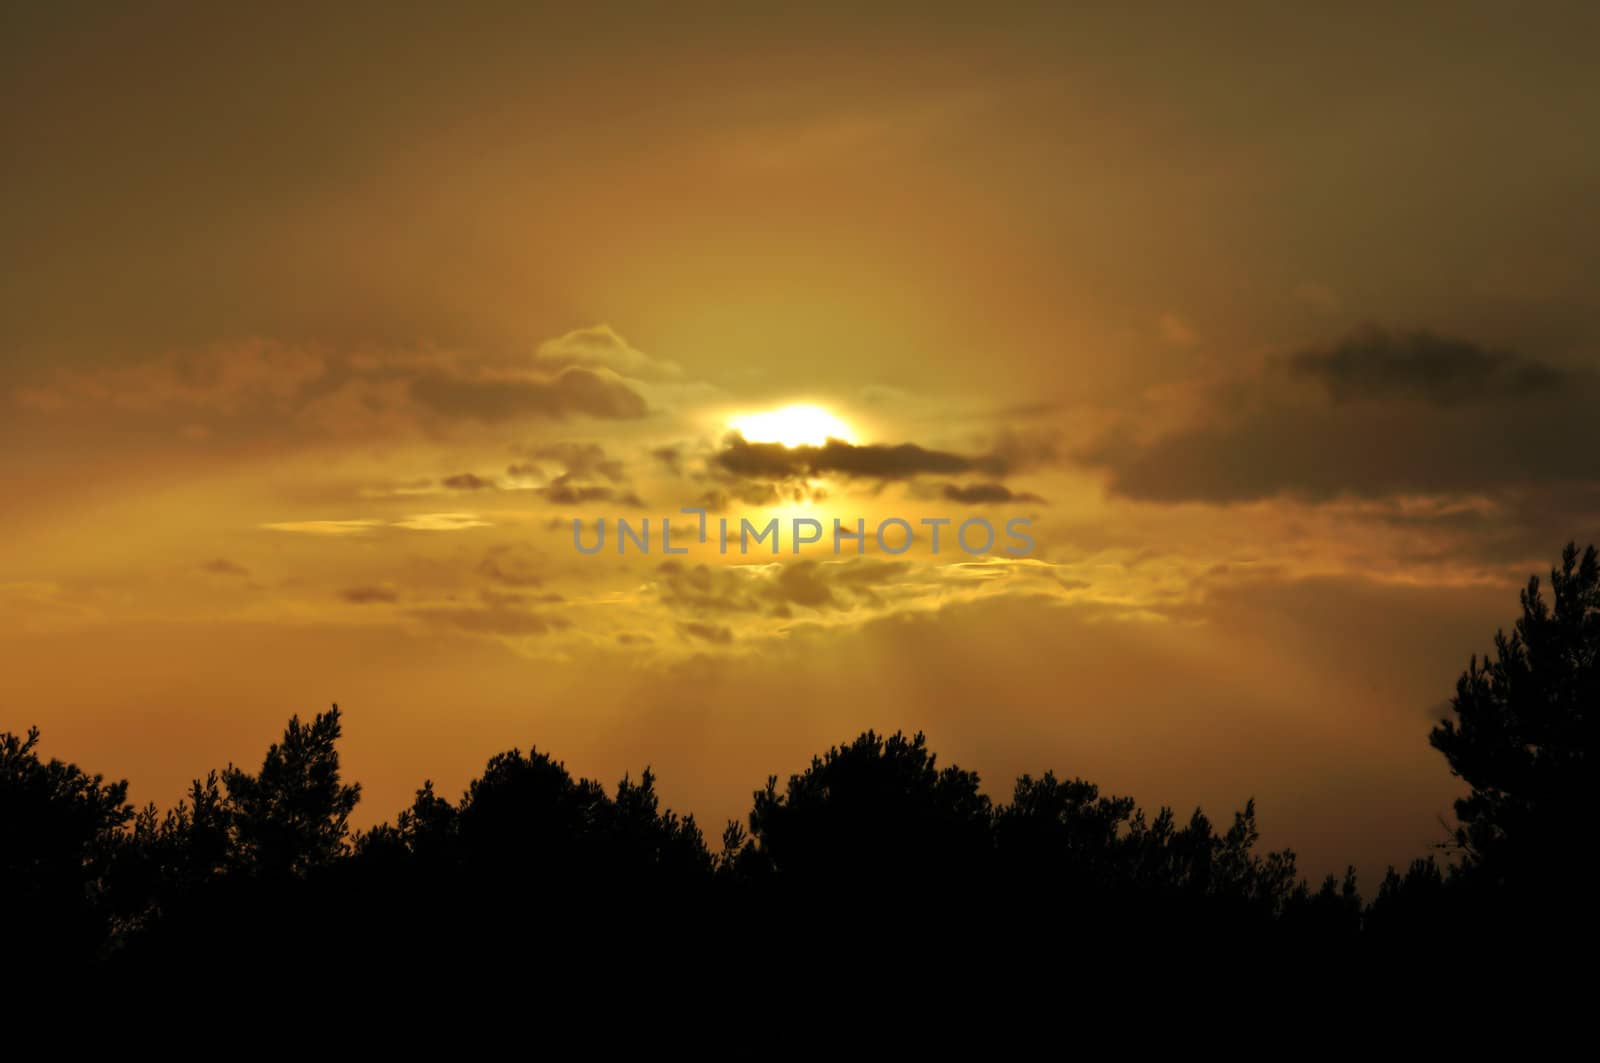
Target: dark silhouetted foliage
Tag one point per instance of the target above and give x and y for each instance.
(1521, 737)
(874, 814)
(59, 831)
(293, 815)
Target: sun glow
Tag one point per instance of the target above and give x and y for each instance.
(800, 425)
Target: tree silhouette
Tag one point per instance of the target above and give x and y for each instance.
(526, 820)
(876, 813)
(530, 858)
(165, 860)
(1522, 733)
(1420, 903)
(293, 815)
(59, 830)
(1064, 840)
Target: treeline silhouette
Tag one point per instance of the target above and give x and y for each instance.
(264, 864)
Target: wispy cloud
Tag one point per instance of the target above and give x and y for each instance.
(325, 527)
(442, 522)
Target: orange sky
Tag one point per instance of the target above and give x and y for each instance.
(320, 331)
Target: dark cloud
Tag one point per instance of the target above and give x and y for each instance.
(713, 633)
(563, 492)
(671, 457)
(984, 494)
(773, 461)
(272, 390)
(369, 595)
(572, 392)
(1378, 364)
(223, 567)
(749, 492)
(584, 467)
(1518, 527)
(466, 481)
(1388, 417)
(803, 584)
(702, 589)
(581, 461)
(834, 585)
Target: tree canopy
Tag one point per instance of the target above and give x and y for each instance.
(1522, 732)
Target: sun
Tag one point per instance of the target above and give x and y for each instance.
(799, 425)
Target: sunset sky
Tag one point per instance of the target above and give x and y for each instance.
(319, 329)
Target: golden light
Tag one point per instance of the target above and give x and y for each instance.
(798, 425)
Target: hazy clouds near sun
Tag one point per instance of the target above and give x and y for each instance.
(317, 344)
